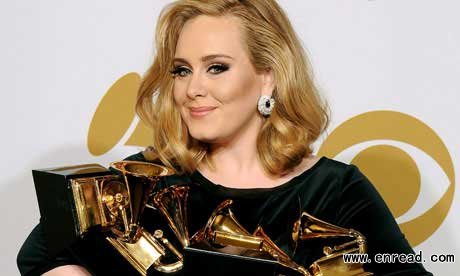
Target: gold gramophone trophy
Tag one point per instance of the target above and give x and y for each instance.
(172, 203)
(125, 205)
(308, 228)
(78, 200)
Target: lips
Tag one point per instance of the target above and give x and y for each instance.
(201, 111)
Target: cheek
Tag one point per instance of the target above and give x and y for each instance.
(179, 101)
(238, 88)
(238, 85)
(178, 96)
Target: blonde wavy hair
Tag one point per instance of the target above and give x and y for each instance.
(299, 116)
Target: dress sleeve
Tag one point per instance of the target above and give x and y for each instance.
(362, 208)
(33, 258)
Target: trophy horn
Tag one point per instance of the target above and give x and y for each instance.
(223, 229)
(172, 203)
(140, 180)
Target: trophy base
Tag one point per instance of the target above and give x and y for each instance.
(334, 265)
(142, 254)
(202, 259)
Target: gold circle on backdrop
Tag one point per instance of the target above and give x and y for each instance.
(397, 126)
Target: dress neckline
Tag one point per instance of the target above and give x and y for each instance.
(200, 180)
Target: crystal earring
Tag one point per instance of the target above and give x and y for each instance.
(265, 105)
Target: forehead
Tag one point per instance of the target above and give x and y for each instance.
(205, 35)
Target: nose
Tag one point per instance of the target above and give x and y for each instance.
(196, 87)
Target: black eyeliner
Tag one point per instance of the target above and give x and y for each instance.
(222, 67)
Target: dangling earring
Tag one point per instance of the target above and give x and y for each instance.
(265, 105)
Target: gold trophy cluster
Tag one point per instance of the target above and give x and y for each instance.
(115, 204)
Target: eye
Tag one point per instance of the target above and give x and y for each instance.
(180, 71)
(217, 68)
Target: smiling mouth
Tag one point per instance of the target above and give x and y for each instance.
(198, 112)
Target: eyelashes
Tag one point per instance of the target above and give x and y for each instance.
(180, 71)
(214, 69)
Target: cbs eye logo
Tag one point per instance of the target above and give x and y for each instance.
(406, 161)
(402, 156)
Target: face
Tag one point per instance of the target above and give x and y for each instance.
(216, 87)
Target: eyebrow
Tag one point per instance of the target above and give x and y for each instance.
(203, 59)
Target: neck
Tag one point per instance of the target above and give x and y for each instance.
(239, 153)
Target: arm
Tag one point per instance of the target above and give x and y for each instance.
(33, 258)
(362, 208)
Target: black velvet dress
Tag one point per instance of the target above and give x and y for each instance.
(331, 191)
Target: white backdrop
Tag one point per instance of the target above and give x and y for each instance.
(59, 58)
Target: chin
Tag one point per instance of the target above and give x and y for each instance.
(204, 134)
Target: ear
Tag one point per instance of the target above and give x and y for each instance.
(268, 82)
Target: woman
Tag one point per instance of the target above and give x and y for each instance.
(236, 114)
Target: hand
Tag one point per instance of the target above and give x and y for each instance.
(68, 270)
